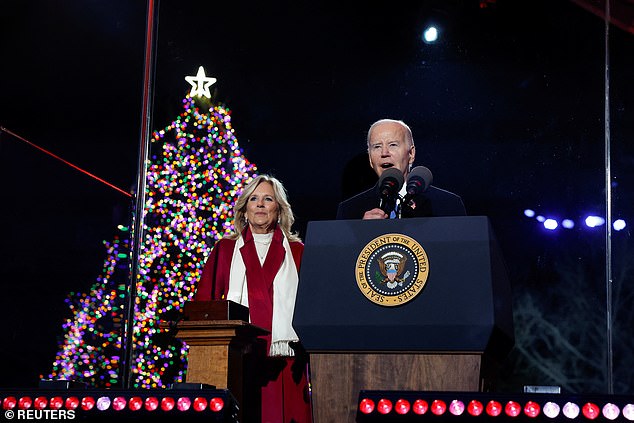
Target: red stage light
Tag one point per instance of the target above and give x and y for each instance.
(25, 403)
(438, 407)
(384, 406)
(216, 404)
(135, 403)
(56, 403)
(87, 403)
(151, 403)
(167, 404)
(40, 403)
(183, 403)
(456, 407)
(475, 408)
(591, 411)
(366, 406)
(119, 403)
(532, 409)
(494, 408)
(420, 407)
(402, 406)
(9, 403)
(71, 403)
(513, 409)
(200, 404)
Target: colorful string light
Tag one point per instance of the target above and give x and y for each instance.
(195, 172)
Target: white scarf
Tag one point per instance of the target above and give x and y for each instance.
(284, 292)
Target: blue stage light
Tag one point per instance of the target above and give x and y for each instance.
(430, 34)
(551, 224)
(619, 225)
(594, 221)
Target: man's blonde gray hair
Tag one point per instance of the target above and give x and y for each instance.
(408, 130)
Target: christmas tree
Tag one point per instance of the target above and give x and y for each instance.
(195, 172)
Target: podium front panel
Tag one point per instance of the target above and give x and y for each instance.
(457, 310)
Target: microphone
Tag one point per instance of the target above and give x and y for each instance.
(390, 183)
(418, 181)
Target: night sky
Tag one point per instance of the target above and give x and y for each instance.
(507, 111)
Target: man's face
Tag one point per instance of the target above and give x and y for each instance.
(389, 146)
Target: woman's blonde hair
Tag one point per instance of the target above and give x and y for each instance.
(285, 214)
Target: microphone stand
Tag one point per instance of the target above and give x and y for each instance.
(387, 203)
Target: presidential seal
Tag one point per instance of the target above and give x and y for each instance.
(392, 269)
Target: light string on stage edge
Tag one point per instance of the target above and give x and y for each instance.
(85, 172)
(192, 181)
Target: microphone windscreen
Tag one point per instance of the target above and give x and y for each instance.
(421, 176)
(392, 175)
(390, 183)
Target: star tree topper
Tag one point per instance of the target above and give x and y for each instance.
(200, 83)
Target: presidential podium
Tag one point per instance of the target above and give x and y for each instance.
(403, 304)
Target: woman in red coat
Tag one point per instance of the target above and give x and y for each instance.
(257, 266)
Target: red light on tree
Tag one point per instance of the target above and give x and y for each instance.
(366, 406)
(216, 404)
(420, 407)
(438, 407)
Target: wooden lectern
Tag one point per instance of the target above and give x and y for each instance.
(442, 338)
(220, 342)
(337, 378)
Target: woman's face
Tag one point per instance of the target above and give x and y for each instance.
(262, 209)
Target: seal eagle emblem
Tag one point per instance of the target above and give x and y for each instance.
(392, 269)
(392, 265)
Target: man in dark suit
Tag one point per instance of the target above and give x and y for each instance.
(391, 145)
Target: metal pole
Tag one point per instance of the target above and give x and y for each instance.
(136, 240)
(608, 207)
